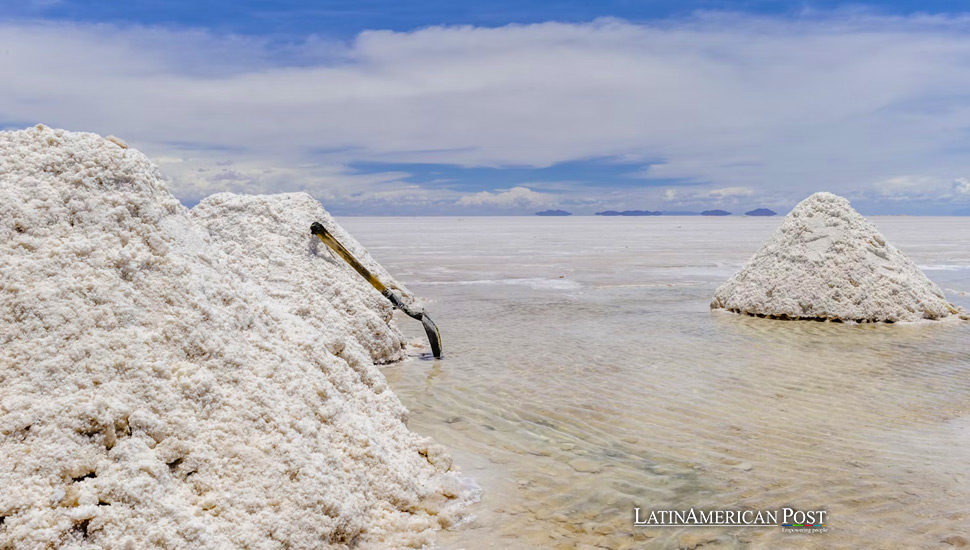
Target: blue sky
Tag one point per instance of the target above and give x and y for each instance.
(458, 108)
(344, 19)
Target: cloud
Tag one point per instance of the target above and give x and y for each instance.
(780, 107)
(901, 184)
(919, 188)
(913, 193)
(910, 188)
(517, 197)
(729, 192)
(711, 197)
(961, 187)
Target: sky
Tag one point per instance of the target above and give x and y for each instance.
(436, 107)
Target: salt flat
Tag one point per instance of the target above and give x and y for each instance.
(585, 375)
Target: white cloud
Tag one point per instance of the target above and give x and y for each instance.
(909, 188)
(902, 184)
(916, 190)
(779, 107)
(517, 197)
(961, 187)
(726, 196)
(729, 192)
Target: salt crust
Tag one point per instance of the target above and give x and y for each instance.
(827, 262)
(159, 388)
(269, 238)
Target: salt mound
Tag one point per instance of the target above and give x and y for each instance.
(269, 238)
(154, 393)
(828, 262)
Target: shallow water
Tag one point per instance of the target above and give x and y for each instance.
(585, 376)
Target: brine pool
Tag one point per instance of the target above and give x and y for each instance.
(585, 376)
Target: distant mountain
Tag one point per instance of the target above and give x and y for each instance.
(680, 213)
(761, 212)
(628, 213)
(715, 213)
(554, 213)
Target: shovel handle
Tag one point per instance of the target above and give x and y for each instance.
(328, 239)
(429, 327)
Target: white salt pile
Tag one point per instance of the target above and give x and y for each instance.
(827, 262)
(159, 388)
(269, 238)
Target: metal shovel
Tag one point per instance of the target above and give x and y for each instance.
(429, 327)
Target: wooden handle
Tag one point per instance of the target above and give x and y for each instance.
(328, 239)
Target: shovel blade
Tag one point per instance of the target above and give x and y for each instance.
(434, 337)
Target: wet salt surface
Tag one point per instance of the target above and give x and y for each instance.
(585, 376)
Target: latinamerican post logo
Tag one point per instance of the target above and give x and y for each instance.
(789, 519)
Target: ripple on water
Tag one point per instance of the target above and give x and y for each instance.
(572, 406)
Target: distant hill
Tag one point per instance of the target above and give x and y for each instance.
(554, 213)
(715, 213)
(761, 212)
(680, 213)
(628, 213)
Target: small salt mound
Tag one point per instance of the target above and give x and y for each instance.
(826, 261)
(268, 237)
(154, 393)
